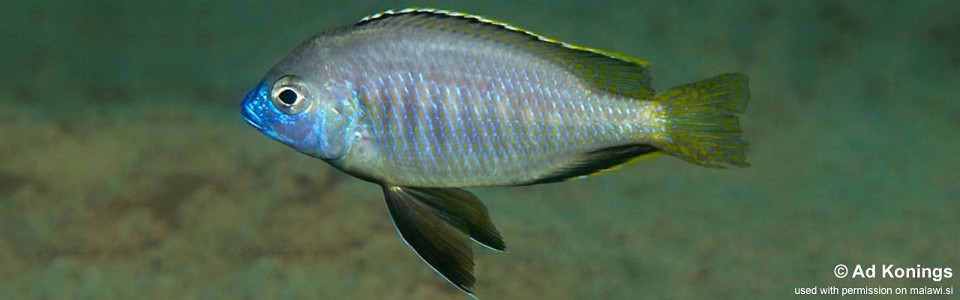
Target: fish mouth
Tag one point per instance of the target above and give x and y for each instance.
(251, 118)
(248, 107)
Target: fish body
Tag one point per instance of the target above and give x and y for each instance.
(425, 102)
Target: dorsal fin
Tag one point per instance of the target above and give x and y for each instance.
(607, 71)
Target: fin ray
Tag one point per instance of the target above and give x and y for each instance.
(464, 210)
(599, 161)
(703, 123)
(436, 222)
(611, 72)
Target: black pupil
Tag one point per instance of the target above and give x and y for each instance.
(288, 97)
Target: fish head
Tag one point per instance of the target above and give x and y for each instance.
(303, 114)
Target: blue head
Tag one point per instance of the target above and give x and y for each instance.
(312, 118)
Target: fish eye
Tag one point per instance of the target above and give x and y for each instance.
(288, 95)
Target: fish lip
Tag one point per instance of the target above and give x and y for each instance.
(247, 111)
(251, 118)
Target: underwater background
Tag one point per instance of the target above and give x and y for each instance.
(127, 173)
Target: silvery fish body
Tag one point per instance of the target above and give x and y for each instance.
(424, 102)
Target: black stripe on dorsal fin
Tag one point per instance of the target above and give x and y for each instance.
(598, 161)
(607, 71)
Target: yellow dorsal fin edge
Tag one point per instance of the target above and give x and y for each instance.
(608, 71)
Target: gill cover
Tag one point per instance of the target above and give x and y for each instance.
(314, 119)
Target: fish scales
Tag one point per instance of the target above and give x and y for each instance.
(539, 116)
(425, 102)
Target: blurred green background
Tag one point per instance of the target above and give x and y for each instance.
(126, 172)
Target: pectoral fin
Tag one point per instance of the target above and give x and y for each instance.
(436, 222)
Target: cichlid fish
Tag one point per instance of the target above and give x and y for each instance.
(425, 102)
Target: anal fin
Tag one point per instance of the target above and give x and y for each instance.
(436, 223)
(598, 161)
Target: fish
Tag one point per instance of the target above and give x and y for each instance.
(427, 102)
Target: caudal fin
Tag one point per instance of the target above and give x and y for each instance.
(703, 123)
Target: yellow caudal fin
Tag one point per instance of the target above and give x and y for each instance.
(702, 121)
